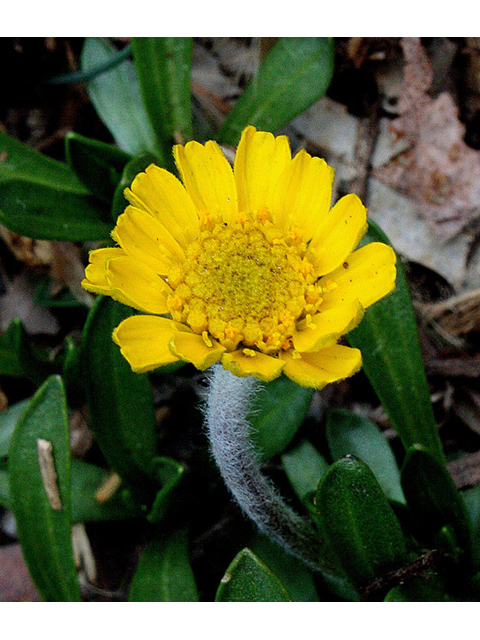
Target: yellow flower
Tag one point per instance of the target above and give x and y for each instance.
(249, 267)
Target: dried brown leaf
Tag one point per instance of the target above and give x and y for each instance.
(438, 170)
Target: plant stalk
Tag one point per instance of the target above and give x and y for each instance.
(227, 404)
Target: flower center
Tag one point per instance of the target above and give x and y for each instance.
(245, 285)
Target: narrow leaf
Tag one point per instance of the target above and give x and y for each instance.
(433, 498)
(43, 198)
(5, 496)
(163, 67)
(304, 467)
(18, 160)
(169, 473)
(277, 413)
(427, 588)
(8, 423)
(471, 497)
(392, 359)
(97, 164)
(293, 574)
(116, 97)
(295, 74)
(357, 522)
(38, 211)
(247, 579)
(39, 467)
(87, 481)
(348, 433)
(164, 573)
(120, 402)
(19, 359)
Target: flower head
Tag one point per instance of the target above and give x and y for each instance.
(249, 267)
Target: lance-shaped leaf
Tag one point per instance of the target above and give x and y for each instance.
(93, 499)
(115, 94)
(392, 359)
(164, 573)
(304, 467)
(8, 423)
(19, 359)
(357, 522)
(163, 67)
(39, 469)
(120, 402)
(433, 499)
(43, 198)
(248, 579)
(294, 74)
(348, 433)
(297, 579)
(277, 413)
(98, 165)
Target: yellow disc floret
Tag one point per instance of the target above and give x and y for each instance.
(245, 285)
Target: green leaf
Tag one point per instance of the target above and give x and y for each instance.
(44, 297)
(8, 423)
(5, 497)
(348, 433)
(293, 574)
(98, 165)
(357, 522)
(427, 588)
(41, 494)
(116, 97)
(164, 573)
(87, 478)
(248, 579)
(304, 467)
(278, 411)
(19, 359)
(43, 198)
(120, 402)
(392, 359)
(163, 66)
(169, 472)
(295, 74)
(471, 497)
(433, 499)
(19, 161)
(37, 211)
(132, 168)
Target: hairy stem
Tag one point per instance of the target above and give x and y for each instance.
(228, 402)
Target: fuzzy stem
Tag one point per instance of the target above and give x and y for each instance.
(228, 402)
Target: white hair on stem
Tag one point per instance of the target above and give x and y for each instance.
(228, 400)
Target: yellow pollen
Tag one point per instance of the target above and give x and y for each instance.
(175, 302)
(246, 285)
(250, 353)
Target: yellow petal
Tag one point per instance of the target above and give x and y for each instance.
(138, 286)
(192, 347)
(147, 240)
(161, 194)
(96, 272)
(367, 275)
(260, 160)
(338, 233)
(260, 366)
(208, 179)
(327, 326)
(144, 340)
(322, 367)
(303, 194)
